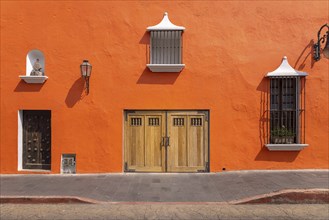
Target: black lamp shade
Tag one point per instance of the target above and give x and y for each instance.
(85, 68)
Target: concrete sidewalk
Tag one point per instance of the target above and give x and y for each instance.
(150, 187)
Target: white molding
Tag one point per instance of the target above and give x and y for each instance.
(33, 79)
(166, 68)
(20, 140)
(285, 147)
(34, 170)
(165, 25)
(285, 70)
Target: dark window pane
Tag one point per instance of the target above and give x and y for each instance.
(283, 109)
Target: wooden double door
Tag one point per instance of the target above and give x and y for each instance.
(166, 141)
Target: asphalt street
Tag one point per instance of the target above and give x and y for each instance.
(161, 211)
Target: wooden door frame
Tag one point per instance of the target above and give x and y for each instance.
(166, 111)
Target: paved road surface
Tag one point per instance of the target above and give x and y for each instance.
(160, 211)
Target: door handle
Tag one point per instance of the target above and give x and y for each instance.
(167, 141)
(162, 141)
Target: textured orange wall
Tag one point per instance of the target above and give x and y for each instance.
(228, 48)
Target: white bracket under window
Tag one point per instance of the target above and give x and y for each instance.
(285, 147)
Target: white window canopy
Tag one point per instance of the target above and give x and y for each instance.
(285, 70)
(165, 25)
(166, 46)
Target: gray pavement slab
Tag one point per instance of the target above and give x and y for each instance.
(151, 187)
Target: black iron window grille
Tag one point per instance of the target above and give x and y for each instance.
(166, 47)
(287, 110)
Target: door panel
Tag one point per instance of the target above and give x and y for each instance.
(143, 138)
(153, 137)
(36, 139)
(166, 141)
(196, 141)
(177, 149)
(135, 139)
(186, 152)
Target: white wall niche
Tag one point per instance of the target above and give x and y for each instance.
(31, 58)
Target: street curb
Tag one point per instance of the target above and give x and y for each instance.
(290, 196)
(45, 200)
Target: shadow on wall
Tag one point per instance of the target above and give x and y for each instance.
(28, 87)
(75, 93)
(264, 116)
(263, 87)
(277, 156)
(146, 41)
(149, 77)
(300, 63)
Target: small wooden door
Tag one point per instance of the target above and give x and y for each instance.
(166, 141)
(188, 147)
(144, 150)
(36, 139)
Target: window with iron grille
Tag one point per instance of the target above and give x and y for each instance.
(286, 109)
(166, 46)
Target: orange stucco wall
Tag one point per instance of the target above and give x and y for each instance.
(229, 46)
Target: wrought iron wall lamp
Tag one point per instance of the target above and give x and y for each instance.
(317, 46)
(85, 68)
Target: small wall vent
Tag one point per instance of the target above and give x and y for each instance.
(68, 164)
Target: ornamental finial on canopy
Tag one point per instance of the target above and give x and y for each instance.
(285, 70)
(165, 25)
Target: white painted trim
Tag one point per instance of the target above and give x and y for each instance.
(61, 164)
(166, 68)
(285, 147)
(123, 140)
(285, 70)
(165, 25)
(20, 140)
(34, 79)
(35, 170)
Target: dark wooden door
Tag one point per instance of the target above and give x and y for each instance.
(36, 139)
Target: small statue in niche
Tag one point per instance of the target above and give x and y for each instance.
(36, 71)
